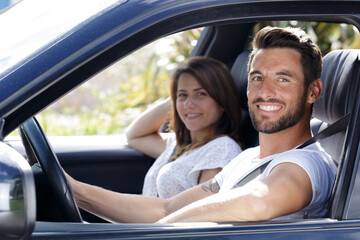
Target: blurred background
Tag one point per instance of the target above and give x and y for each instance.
(108, 102)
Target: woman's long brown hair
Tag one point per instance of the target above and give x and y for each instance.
(216, 79)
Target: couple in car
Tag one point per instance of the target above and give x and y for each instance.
(199, 171)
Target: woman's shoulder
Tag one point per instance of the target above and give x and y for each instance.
(220, 151)
(223, 140)
(221, 144)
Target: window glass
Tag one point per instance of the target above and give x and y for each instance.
(107, 103)
(328, 36)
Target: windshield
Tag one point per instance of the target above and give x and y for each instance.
(32, 24)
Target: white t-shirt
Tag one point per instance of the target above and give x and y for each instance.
(313, 159)
(167, 178)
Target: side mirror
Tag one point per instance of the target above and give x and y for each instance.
(17, 195)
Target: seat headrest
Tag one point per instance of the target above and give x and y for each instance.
(240, 75)
(339, 78)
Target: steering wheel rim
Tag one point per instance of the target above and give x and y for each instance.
(35, 141)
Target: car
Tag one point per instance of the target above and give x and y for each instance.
(49, 48)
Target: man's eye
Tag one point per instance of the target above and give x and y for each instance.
(257, 78)
(283, 80)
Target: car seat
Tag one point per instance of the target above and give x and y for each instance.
(340, 80)
(239, 73)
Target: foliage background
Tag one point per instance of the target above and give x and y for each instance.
(107, 103)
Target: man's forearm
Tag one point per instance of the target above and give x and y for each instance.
(286, 190)
(206, 210)
(117, 207)
(243, 204)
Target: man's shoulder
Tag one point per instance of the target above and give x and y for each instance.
(247, 154)
(311, 154)
(310, 149)
(253, 151)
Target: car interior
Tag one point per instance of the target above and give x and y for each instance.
(340, 87)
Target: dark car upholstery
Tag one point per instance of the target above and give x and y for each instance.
(339, 77)
(340, 80)
(239, 73)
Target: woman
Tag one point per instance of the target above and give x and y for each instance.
(205, 118)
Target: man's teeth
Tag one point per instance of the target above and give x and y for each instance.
(269, 108)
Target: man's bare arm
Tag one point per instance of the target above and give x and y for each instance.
(191, 195)
(287, 189)
(211, 186)
(117, 207)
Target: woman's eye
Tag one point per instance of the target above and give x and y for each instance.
(181, 95)
(201, 94)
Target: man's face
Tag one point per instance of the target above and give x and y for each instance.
(276, 93)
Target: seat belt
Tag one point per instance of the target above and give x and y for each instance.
(334, 128)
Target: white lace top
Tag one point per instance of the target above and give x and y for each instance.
(167, 178)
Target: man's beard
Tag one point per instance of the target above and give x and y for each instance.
(286, 121)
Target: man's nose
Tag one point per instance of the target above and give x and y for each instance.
(267, 89)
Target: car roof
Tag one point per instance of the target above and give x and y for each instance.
(66, 55)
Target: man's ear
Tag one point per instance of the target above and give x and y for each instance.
(314, 91)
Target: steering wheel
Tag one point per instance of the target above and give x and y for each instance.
(37, 145)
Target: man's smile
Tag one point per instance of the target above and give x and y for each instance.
(269, 108)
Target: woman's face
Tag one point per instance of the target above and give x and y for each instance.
(198, 111)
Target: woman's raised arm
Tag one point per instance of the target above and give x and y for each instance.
(143, 135)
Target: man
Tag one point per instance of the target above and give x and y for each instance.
(284, 81)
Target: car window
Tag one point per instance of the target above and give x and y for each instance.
(107, 103)
(328, 36)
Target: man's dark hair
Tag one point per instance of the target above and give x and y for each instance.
(294, 38)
